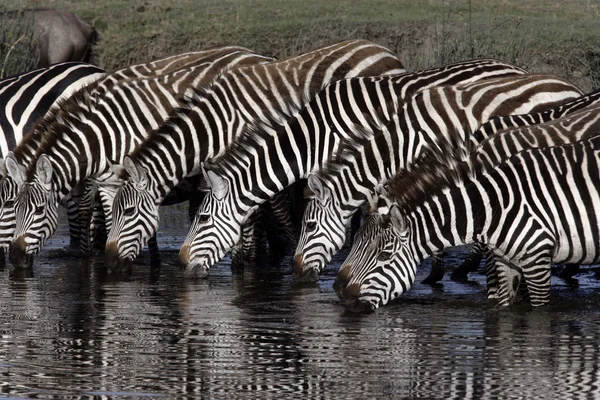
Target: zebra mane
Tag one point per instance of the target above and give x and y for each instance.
(432, 173)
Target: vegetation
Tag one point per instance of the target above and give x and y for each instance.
(18, 50)
(559, 36)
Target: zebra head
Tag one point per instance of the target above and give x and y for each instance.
(8, 195)
(323, 232)
(381, 264)
(36, 212)
(215, 229)
(134, 217)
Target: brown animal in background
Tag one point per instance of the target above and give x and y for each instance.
(60, 35)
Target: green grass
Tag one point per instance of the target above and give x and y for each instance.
(550, 36)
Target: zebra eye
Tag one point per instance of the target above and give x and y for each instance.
(39, 210)
(9, 203)
(311, 226)
(202, 218)
(129, 211)
(385, 255)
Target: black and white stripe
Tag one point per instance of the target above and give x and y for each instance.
(25, 99)
(533, 208)
(210, 123)
(444, 113)
(92, 131)
(262, 164)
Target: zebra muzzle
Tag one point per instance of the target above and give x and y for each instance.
(112, 259)
(341, 280)
(298, 266)
(18, 256)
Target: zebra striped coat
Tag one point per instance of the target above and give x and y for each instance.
(94, 90)
(444, 113)
(509, 202)
(26, 98)
(265, 162)
(91, 131)
(493, 151)
(209, 124)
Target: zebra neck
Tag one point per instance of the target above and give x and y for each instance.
(460, 215)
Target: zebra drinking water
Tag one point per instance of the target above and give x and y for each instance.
(264, 162)
(25, 99)
(209, 124)
(531, 208)
(81, 139)
(346, 183)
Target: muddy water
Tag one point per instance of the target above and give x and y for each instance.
(70, 330)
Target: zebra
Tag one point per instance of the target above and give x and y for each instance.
(345, 184)
(266, 161)
(95, 89)
(26, 98)
(503, 194)
(208, 125)
(89, 131)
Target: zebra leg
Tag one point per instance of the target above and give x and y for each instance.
(491, 276)
(74, 225)
(470, 264)
(243, 253)
(280, 206)
(509, 279)
(195, 198)
(437, 269)
(279, 230)
(537, 278)
(153, 250)
(85, 213)
(355, 223)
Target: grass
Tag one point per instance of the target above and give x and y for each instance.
(18, 51)
(551, 36)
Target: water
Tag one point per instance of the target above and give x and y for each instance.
(70, 330)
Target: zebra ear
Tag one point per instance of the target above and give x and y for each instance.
(136, 173)
(397, 218)
(44, 171)
(15, 170)
(219, 187)
(315, 184)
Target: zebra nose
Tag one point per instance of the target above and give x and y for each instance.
(341, 280)
(298, 266)
(111, 255)
(309, 275)
(17, 255)
(183, 258)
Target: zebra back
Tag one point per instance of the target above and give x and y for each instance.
(507, 122)
(27, 97)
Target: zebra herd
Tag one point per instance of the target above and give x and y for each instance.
(479, 152)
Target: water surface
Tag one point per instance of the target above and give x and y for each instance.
(71, 330)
